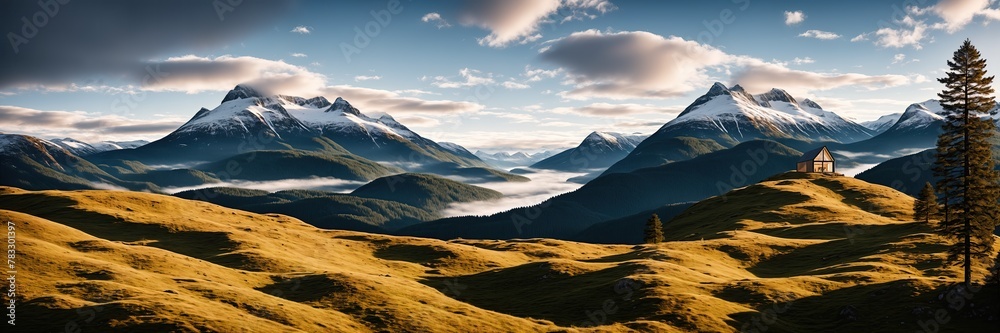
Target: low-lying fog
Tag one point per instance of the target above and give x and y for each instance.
(544, 184)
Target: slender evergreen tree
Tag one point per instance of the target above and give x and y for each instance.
(968, 182)
(926, 205)
(654, 230)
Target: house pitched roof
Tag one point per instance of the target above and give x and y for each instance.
(811, 155)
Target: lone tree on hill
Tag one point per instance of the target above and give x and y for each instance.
(926, 205)
(654, 230)
(964, 162)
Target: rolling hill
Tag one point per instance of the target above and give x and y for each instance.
(291, 164)
(794, 253)
(425, 191)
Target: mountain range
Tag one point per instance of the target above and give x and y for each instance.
(513, 160)
(80, 148)
(246, 120)
(882, 123)
(725, 139)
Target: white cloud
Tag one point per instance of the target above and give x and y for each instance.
(193, 74)
(514, 140)
(956, 14)
(436, 20)
(639, 64)
(538, 74)
(899, 57)
(617, 110)
(393, 103)
(514, 85)
(418, 121)
(511, 21)
(81, 125)
(795, 17)
(367, 78)
(910, 32)
(515, 117)
(415, 92)
(800, 61)
(757, 75)
(819, 34)
(302, 30)
(470, 78)
(897, 38)
(299, 55)
(635, 64)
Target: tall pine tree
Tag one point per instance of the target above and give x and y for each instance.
(926, 206)
(964, 165)
(654, 230)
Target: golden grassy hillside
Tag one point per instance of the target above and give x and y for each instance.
(790, 254)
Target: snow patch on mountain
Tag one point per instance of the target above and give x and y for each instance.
(882, 123)
(115, 145)
(612, 139)
(80, 148)
(454, 148)
(920, 115)
(12, 144)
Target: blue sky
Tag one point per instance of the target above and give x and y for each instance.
(487, 74)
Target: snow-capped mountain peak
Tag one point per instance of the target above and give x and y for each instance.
(241, 91)
(920, 115)
(80, 148)
(12, 144)
(77, 147)
(612, 139)
(601, 137)
(718, 89)
(810, 103)
(343, 105)
(734, 113)
(882, 123)
(775, 95)
(318, 102)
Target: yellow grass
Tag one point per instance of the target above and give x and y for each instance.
(127, 261)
